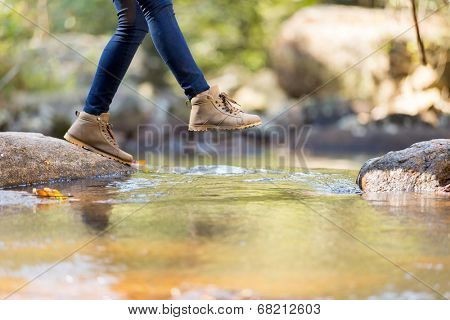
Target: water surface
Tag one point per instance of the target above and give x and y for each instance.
(224, 232)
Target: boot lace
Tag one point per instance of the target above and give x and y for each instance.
(228, 104)
(107, 130)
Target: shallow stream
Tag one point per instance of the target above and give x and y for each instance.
(224, 232)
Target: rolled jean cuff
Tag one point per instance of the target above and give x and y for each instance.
(94, 111)
(199, 86)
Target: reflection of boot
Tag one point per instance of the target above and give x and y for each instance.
(94, 133)
(215, 110)
(96, 215)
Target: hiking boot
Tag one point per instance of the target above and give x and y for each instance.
(94, 133)
(215, 110)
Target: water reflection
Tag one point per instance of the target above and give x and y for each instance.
(96, 215)
(410, 203)
(227, 236)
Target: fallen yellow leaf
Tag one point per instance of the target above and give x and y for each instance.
(49, 193)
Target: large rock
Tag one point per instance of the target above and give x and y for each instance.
(423, 167)
(365, 55)
(27, 158)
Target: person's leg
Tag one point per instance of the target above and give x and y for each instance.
(211, 109)
(171, 45)
(117, 56)
(92, 129)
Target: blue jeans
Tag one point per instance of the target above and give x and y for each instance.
(136, 18)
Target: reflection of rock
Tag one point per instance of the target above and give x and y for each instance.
(348, 52)
(428, 206)
(27, 158)
(425, 167)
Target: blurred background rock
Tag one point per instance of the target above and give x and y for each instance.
(271, 55)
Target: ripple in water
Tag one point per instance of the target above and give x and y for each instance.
(215, 170)
(18, 198)
(211, 170)
(327, 183)
(136, 198)
(324, 183)
(133, 184)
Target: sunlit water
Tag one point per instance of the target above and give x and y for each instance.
(224, 232)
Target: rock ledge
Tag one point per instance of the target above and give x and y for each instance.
(28, 158)
(423, 167)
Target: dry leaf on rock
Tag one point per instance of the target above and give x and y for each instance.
(49, 193)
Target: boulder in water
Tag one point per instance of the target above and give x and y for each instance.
(423, 167)
(28, 158)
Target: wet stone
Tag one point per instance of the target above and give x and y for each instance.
(423, 167)
(29, 158)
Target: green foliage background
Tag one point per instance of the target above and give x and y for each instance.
(220, 32)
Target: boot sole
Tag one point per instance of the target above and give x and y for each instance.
(207, 127)
(83, 145)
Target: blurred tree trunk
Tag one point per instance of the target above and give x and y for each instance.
(42, 20)
(419, 38)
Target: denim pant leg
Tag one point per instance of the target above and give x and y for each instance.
(172, 46)
(117, 56)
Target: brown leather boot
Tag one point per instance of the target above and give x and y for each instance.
(215, 110)
(94, 133)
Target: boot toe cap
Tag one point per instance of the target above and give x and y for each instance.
(251, 119)
(125, 156)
